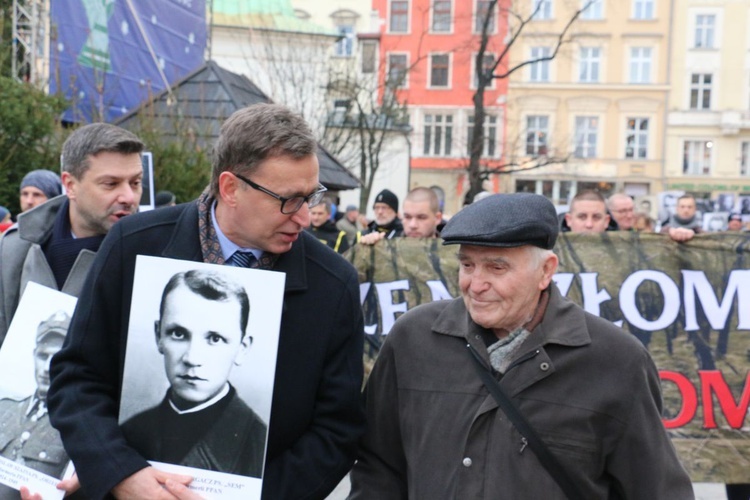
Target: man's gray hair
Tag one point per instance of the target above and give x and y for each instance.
(95, 138)
(256, 133)
(537, 255)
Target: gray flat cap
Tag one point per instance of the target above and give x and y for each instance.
(504, 220)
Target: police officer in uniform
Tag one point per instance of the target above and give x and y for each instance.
(26, 436)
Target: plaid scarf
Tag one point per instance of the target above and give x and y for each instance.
(210, 246)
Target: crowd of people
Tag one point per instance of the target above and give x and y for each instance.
(511, 343)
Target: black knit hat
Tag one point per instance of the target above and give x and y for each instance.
(387, 197)
(504, 220)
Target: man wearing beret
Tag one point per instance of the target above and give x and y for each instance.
(26, 436)
(588, 389)
(54, 244)
(37, 187)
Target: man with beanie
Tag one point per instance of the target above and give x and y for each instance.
(435, 429)
(37, 187)
(386, 225)
(55, 244)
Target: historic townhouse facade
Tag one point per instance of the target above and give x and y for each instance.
(428, 50)
(708, 134)
(595, 114)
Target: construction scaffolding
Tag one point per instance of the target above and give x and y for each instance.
(30, 61)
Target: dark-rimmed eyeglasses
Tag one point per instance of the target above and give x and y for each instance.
(292, 204)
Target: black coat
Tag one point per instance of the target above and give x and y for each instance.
(316, 413)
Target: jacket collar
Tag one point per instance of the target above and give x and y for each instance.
(185, 245)
(564, 323)
(36, 224)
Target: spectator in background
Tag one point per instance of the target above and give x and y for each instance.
(5, 221)
(165, 199)
(588, 213)
(622, 209)
(351, 224)
(323, 228)
(644, 223)
(37, 187)
(386, 225)
(421, 213)
(683, 224)
(734, 222)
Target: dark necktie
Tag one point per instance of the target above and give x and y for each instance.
(242, 259)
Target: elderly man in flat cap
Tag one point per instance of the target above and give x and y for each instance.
(589, 392)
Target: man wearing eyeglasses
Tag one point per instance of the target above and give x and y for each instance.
(264, 181)
(622, 209)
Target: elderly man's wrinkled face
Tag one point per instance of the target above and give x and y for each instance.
(501, 286)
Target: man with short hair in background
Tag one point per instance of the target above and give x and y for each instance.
(622, 209)
(421, 213)
(37, 187)
(684, 223)
(588, 213)
(55, 244)
(323, 228)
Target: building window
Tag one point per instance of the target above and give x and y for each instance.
(397, 71)
(745, 160)
(640, 65)
(700, 91)
(369, 56)
(441, 16)
(345, 45)
(539, 71)
(595, 10)
(586, 136)
(588, 70)
(439, 70)
(399, 17)
(481, 12)
(488, 61)
(489, 150)
(542, 9)
(697, 157)
(704, 31)
(537, 133)
(643, 9)
(438, 135)
(636, 140)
